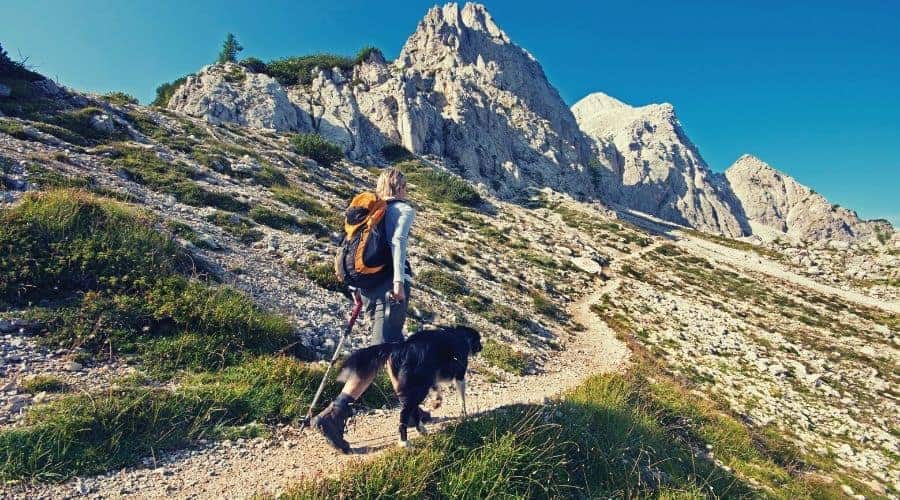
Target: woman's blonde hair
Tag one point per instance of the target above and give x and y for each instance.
(390, 183)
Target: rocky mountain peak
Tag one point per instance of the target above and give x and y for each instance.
(660, 171)
(775, 201)
(449, 36)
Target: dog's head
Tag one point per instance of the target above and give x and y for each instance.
(472, 336)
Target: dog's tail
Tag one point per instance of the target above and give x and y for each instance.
(366, 362)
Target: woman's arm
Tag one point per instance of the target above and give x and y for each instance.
(400, 238)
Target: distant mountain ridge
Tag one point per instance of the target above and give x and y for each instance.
(777, 201)
(463, 92)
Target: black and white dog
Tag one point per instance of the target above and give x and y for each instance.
(416, 365)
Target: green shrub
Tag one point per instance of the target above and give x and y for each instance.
(44, 383)
(442, 281)
(239, 227)
(440, 186)
(145, 167)
(545, 306)
(298, 70)
(317, 148)
(324, 276)
(119, 98)
(254, 65)
(165, 91)
(77, 127)
(365, 52)
(270, 176)
(296, 198)
(55, 243)
(275, 219)
(504, 357)
(14, 129)
(395, 152)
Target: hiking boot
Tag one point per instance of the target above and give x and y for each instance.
(331, 424)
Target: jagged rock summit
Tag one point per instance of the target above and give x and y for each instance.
(776, 201)
(659, 170)
(460, 90)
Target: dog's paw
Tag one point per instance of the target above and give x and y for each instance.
(422, 430)
(403, 444)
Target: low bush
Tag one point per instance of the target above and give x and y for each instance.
(298, 70)
(119, 98)
(444, 282)
(275, 219)
(324, 276)
(44, 383)
(165, 91)
(395, 152)
(297, 198)
(440, 186)
(254, 65)
(504, 357)
(317, 148)
(270, 176)
(14, 129)
(240, 227)
(145, 167)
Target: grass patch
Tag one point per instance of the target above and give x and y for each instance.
(296, 198)
(447, 284)
(504, 357)
(615, 436)
(317, 148)
(14, 129)
(119, 98)
(145, 167)
(276, 219)
(63, 241)
(440, 186)
(89, 434)
(44, 383)
(324, 276)
(270, 176)
(240, 227)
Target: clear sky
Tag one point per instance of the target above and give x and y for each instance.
(809, 86)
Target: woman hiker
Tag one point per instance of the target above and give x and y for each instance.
(385, 304)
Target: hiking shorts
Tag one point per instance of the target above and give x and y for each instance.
(385, 316)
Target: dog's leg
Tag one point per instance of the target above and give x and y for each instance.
(438, 397)
(405, 413)
(461, 387)
(420, 421)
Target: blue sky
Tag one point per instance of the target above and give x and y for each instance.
(808, 86)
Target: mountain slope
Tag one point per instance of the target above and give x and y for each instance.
(777, 201)
(659, 171)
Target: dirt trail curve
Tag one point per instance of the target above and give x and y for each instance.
(268, 466)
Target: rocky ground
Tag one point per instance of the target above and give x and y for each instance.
(817, 365)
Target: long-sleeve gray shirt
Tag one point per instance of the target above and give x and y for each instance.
(398, 220)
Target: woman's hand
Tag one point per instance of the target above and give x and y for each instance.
(398, 294)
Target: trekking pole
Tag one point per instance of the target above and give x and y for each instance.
(357, 307)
